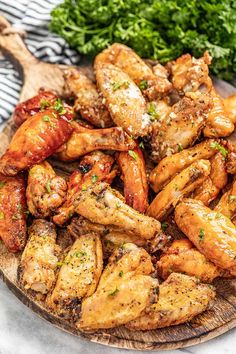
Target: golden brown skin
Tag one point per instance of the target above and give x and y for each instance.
(190, 74)
(218, 122)
(133, 174)
(45, 190)
(230, 107)
(124, 291)
(171, 165)
(227, 203)
(181, 127)
(104, 205)
(216, 181)
(94, 167)
(36, 139)
(212, 233)
(78, 276)
(183, 257)
(231, 157)
(13, 212)
(179, 187)
(88, 102)
(86, 140)
(181, 298)
(154, 83)
(39, 260)
(123, 100)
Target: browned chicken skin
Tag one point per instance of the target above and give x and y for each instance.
(45, 190)
(13, 212)
(36, 139)
(133, 174)
(230, 107)
(227, 203)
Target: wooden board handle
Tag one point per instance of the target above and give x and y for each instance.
(12, 45)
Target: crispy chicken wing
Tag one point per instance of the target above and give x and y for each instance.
(171, 165)
(133, 174)
(39, 259)
(180, 186)
(13, 212)
(183, 257)
(227, 203)
(45, 190)
(181, 298)
(181, 127)
(123, 100)
(88, 102)
(78, 277)
(36, 139)
(87, 140)
(230, 107)
(212, 233)
(231, 157)
(153, 84)
(104, 205)
(94, 167)
(124, 291)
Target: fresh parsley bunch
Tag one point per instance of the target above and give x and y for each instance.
(157, 29)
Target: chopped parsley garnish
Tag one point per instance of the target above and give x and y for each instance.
(180, 147)
(215, 145)
(58, 106)
(118, 205)
(201, 234)
(94, 178)
(232, 198)
(2, 184)
(48, 120)
(2, 215)
(121, 273)
(113, 293)
(117, 85)
(133, 154)
(141, 145)
(143, 85)
(16, 216)
(84, 188)
(48, 186)
(164, 226)
(151, 110)
(44, 104)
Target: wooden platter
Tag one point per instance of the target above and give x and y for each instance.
(210, 324)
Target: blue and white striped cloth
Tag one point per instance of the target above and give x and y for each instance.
(33, 17)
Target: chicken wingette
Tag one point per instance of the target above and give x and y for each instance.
(230, 107)
(227, 203)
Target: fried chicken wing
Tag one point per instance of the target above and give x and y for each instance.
(87, 140)
(36, 139)
(227, 203)
(124, 291)
(181, 298)
(13, 212)
(45, 190)
(123, 100)
(212, 233)
(183, 257)
(230, 107)
(231, 157)
(39, 259)
(153, 84)
(180, 186)
(171, 165)
(104, 205)
(218, 122)
(181, 127)
(133, 174)
(88, 102)
(28, 108)
(78, 276)
(94, 167)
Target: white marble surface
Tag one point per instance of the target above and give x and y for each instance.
(23, 332)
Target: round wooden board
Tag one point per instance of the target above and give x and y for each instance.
(210, 324)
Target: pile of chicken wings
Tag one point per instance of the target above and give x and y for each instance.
(153, 151)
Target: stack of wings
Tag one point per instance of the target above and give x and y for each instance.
(150, 145)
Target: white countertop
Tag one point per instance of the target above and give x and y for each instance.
(23, 332)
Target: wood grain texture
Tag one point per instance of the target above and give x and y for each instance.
(210, 324)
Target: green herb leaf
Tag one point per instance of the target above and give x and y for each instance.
(133, 154)
(58, 106)
(48, 186)
(164, 226)
(16, 216)
(44, 104)
(117, 85)
(121, 274)
(232, 198)
(84, 188)
(215, 145)
(113, 293)
(180, 147)
(151, 110)
(201, 234)
(2, 184)
(141, 145)
(143, 85)
(94, 178)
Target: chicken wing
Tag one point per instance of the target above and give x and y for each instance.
(183, 257)
(133, 174)
(231, 157)
(181, 127)
(39, 259)
(212, 233)
(190, 74)
(45, 190)
(230, 107)
(181, 298)
(13, 212)
(28, 108)
(180, 186)
(218, 122)
(227, 203)
(153, 84)
(170, 166)
(78, 276)
(94, 167)
(124, 291)
(104, 205)
(87, 100)
(123, 100)
(87, 140)
(36, 139)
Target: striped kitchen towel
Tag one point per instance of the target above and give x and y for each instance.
(33, 17)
